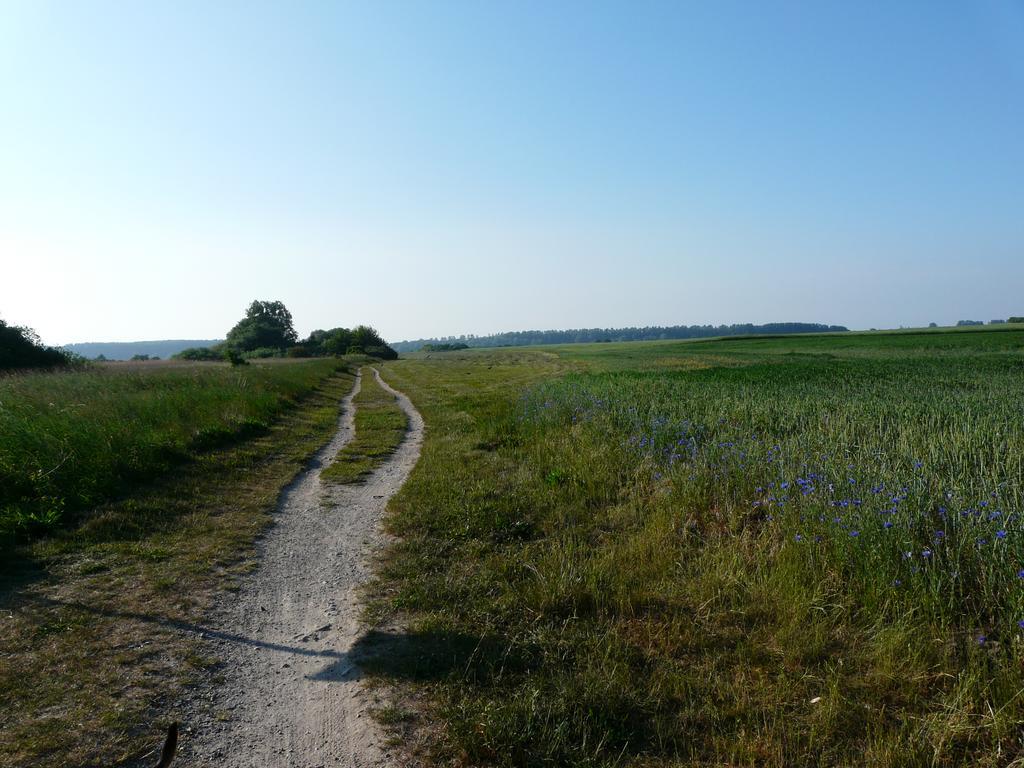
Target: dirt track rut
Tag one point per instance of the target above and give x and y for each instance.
(291, 693)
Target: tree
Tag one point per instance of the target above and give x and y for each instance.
(21, 348)
(337, 342)
(266, 324)
(1015, 320)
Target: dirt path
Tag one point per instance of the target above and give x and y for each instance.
(291, 694)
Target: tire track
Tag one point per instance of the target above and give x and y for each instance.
(291, 693)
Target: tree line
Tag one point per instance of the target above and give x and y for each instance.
(593, 335)
(267, 330)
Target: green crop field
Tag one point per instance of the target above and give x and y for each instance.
(790, 551)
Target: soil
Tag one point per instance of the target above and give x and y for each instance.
(290, 691)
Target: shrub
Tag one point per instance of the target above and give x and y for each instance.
(382, 351)
(263, 352)
(200, 353)
(20, 347)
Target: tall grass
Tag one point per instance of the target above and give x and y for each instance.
(69, 441)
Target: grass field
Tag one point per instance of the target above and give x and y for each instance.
(380, 426)
(101, 615)
(764, 552)
(69, 441)
(792, 551)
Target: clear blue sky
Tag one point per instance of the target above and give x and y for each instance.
(439, 168)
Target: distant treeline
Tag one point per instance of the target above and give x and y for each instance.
(592, 335)
(135, 350)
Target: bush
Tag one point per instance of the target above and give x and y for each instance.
(200, 353)
(234, 357)
(384, 352)
(20, 347)
(1016, 320)
(342, 341)
(263, 352)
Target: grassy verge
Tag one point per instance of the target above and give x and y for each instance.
(380, 426)
(97, 619)
(70, 441)
(755, 552)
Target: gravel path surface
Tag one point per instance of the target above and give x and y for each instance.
(291, 694)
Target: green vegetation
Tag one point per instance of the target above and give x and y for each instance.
(361, 340)
(380, 426)
(795, 551)
(267, 331)
(69, 441)
(267, 325)
(20, 348)
(101, 620)
(201, 354)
